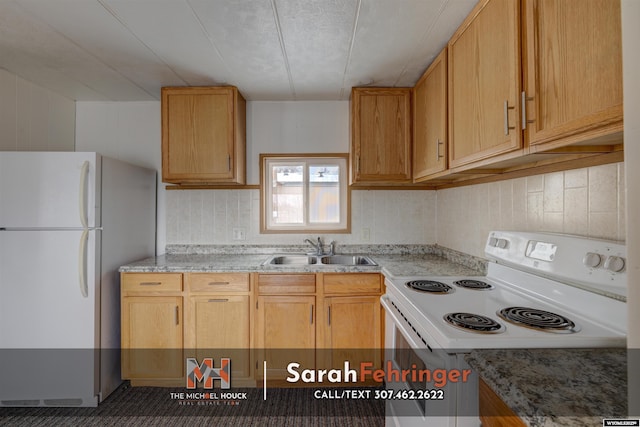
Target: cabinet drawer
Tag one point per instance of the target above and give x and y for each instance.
(286, 284)
(364, 283)
(152, 282)
(217, 282)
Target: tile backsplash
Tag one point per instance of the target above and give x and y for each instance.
(587, 202)
(380, 216)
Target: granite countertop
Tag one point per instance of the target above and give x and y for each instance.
(557, 387)
(405, 260)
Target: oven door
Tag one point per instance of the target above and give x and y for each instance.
(431, 402)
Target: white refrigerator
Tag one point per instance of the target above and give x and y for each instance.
(67, 222)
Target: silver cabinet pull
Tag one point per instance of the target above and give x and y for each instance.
(150, 283)
(217, 283)
(438, 144)
(506, 117)
(218, 300)
(523, 100)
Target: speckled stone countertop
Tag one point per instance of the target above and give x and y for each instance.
(557, 387)
(392, 260)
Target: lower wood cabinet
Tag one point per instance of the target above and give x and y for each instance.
(152, 327)
(319, 320)
(218, 321)
(352, 331)
(493, 411)
(286, 332)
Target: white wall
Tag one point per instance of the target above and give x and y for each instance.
(33, 118)
(295, 127)
(588, 202)
(128, 131)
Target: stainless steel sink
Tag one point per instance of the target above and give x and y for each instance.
(347, 260)
(299, 259)
(291, 260)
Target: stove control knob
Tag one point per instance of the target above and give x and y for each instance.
(615, 264)
(592, 259)
(493, 242)
(502, 243)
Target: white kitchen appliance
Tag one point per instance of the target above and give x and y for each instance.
(541, 291)
(67, 222)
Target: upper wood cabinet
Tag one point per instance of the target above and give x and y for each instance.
(484, 84)
(573, 71)
(203, 135)
(380, 135)
(430, 120)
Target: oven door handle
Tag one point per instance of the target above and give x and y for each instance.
(402, 324)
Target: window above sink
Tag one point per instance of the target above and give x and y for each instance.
(304, 193)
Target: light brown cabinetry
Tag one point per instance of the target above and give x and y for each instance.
(484, 84)
(380, 135)
(430, 120)
(318, 320)
(203, 135)
(167, 317)
(573, 72)
(151, 338)
(218, 320)
(493, 411)
(285, 322)
(352, 326)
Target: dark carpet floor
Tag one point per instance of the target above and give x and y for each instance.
(151, 406)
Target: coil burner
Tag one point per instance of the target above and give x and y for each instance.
(538, 319)
(430, 286)
(473, 284)
(471, 322)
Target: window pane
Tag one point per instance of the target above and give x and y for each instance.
(288, 194)
(324, 194)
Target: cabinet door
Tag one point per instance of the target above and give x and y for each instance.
(221, 328)
(573, 71)
(352, 331)
(285, 333)
(202, 135)
(484, 84)
(430, 120)
(152, 337)
(381, 135)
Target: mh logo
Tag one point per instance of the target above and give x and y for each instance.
(206, 372)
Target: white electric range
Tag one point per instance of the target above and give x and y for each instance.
(541, 291)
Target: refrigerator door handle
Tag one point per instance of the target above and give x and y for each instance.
(84, 172)
(82, 264)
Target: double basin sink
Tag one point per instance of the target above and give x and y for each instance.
(299, 259)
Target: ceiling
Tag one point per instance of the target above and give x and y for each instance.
(126, 50)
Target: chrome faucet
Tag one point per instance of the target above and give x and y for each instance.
(316, 246)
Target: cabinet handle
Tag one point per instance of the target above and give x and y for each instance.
(523, 99)
(218, 300)
(177, 315)
(329, 316)
(150, 283)
(358, 163)
(506, 117)
(217, 283)
(438, 144)
(311, 315)
(229, 161)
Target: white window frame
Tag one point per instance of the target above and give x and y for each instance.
(267, 161)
